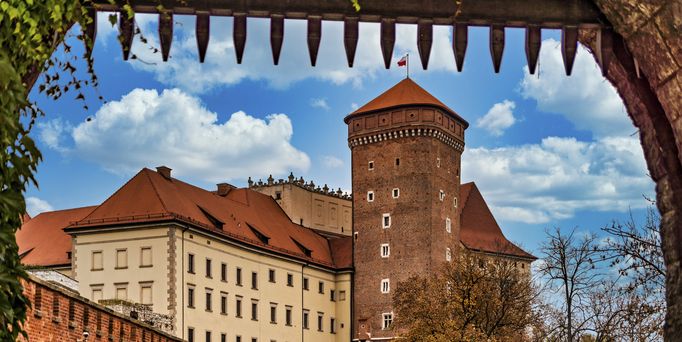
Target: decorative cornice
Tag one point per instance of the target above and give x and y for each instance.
(310, 186)
(406, 132)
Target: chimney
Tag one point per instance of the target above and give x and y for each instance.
(224, 189)
(165, 171)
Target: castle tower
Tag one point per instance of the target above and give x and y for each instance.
(406, 148)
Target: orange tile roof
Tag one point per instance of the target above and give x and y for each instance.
(41, 240)
(405, 93)
(479, 229)
(242, 215)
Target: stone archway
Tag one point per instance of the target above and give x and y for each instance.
(646, 69)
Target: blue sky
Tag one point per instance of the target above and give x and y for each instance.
(546, 150)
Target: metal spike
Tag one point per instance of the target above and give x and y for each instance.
(91, 31)
(239, 35)
(276, 36)
(203, 32)
(569, 46)
(497, 45)
(126, 29)
(459, 44)
(165, 33)
(314, 37)
(350, 38)
(424, 41)
(604, 49)
(387, 40)
(533, 43)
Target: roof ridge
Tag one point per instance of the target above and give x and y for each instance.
(163, 204)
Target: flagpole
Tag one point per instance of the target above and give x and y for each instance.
(407, 63)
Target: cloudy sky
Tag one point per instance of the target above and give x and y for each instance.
(546, 150)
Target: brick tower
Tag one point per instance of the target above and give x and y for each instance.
(406, 148)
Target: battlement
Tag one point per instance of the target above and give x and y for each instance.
(300, 182)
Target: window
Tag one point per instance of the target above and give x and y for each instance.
(385, 286)
(396, 193)
(287, 315)
(342, 295)
(97, 261)
(278, 195)
(386, 221)
(190, 334)
(146, 293)
(397, 161)
(306, 315)
(254, 310)
(273, 313)
(290, 279)
(320, 317)
(370, 196)
(320, 287)
(223, 337)
(208, 336)
(441, 195)
(454, 202)
(305, 283)
(271, 275)
(208, 268)
(448, 225)
(146, 257)
(223, 303)
(121, 258)
(254, 280)
(437, 162)
(254, 339)
(332, 295)
(238, 338)
(370, 165)
(223, 272)
(122, 291)
(238, 307)
(239, 276)
(448, 255)
(385, 250)
(209, 297)
(190, 296)
(190, 263)
(96, 294)
(332, 325)
(387, 321)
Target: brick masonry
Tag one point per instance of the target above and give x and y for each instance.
(428, 144)
(57, 314)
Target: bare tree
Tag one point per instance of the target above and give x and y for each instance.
(569, 267)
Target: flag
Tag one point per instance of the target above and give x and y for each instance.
(402, 61)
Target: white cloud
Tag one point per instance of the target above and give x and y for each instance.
(172, 128)
(35, 206)
(585, 98)
(354, 106)
(499, 118)
(331, 162)
(319, 103)
(539, 183)
(51, 133)
(184, 71)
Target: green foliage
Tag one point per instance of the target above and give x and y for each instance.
(30, 31)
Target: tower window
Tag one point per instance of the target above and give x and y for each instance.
(386, 221)
(370, 165)
(396, 193)
(448, 225)
(397, 161)
(278, 195)
(385, 250)
(370, 196)
(385, 285)
(454, 202)
(442, 195)
(448, 255)
(437, 162)
(387, 321)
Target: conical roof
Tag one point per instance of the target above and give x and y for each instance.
(405, 93)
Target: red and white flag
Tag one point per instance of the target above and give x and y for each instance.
(402, 61)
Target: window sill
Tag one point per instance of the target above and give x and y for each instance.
(121, 268)
(38, 314)
(56, 320)
(146, 266)
(96, 269)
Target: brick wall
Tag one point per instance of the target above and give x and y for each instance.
(58, 314)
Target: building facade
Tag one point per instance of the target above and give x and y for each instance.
(285, 260)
